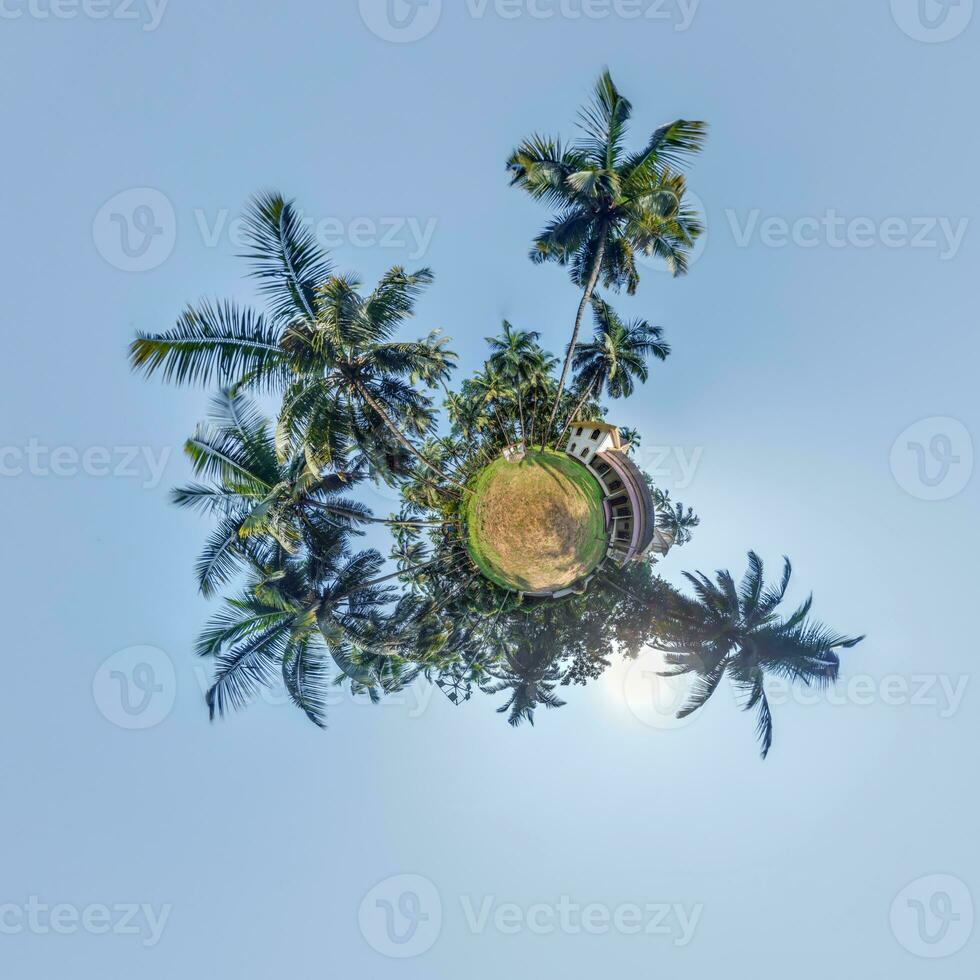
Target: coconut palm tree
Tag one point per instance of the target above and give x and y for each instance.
(294, 614)
(256, 495)
(610, 204)
(530, 672)
(512, 357)
(736, 630)
(615, 358)
(329, 349)
(674, 522)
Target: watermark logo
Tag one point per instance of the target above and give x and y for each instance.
(136, 687)
(401, 917)
(401, 21)
(651, 699)
(944, 235)
(37, 918)
(933, 916)
(932, 21)
(40, 461)
(136, 230)
(148, 13)
(933, 458)
(408, 233)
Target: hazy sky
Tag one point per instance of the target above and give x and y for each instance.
(821, 402)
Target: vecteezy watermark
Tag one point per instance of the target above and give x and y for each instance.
(136, 687)
(136, 230)
(933, 458)
(679, 13)
(932, 917)
(37, 918)
(570, 918)
(407, 233)
(401, 21)
(833, 230)
(671, 467)
(401, 917)
(653, 700)
(941, 693)
(932, 21)
(413, 699)
(404, 21)
(148, 13)
(64, 462)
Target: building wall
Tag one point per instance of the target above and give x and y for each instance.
(585, 441)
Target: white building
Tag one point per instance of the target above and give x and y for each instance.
(631, 515)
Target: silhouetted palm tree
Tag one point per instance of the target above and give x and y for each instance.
(610, 204)
(736, 630)
(530, 672)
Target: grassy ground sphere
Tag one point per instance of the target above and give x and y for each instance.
(536, 525)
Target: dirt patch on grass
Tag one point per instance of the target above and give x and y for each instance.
(536, 525)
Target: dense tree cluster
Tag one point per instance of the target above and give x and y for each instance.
(360, 402)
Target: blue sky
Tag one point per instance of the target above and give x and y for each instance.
(820, 402)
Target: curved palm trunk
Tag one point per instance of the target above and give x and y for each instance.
(575, 411)
(399, 435)
(586, 299)
(384, 578)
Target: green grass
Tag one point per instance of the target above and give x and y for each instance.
(537, 525)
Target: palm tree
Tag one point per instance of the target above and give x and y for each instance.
(289, 619)
(611, 205)
(615, 357)
(530, 673)
(512, 357)
(494, 391)
(674, 523)
(329, 348)
(256, 495)
(736, 630)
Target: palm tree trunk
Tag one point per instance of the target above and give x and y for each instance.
(586, 299)
(520, 409)
(399, 435)
(576, 410)
(354, 516)
(386, 578)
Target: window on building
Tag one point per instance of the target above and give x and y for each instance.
(595, 435)
(585, 452)
(615, 485)
(578, 432)
(572, 449)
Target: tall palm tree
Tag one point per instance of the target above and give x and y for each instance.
(256, 495)
(512, 357)
(736, 630)
(615, 358)
(327, 347)
(610, 204)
